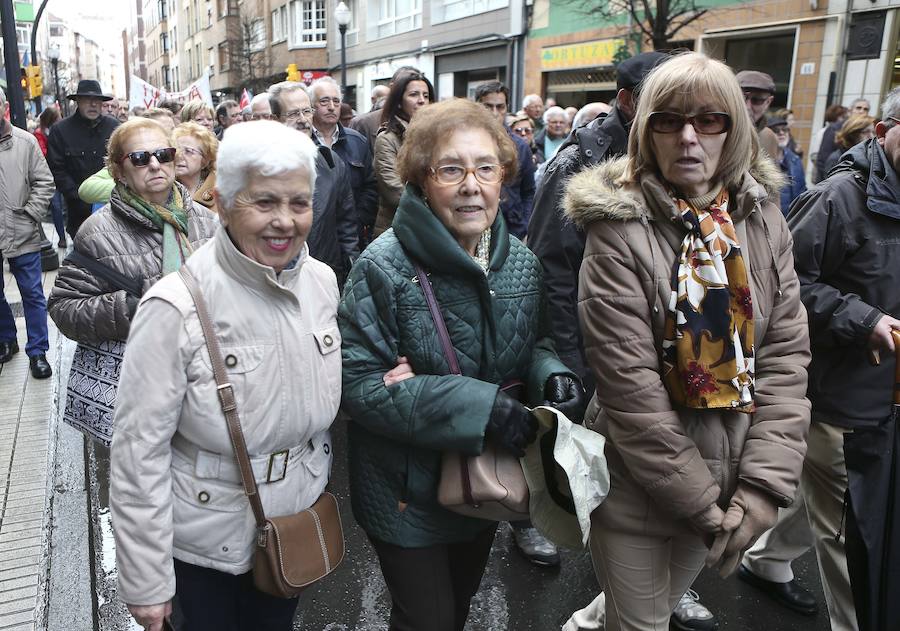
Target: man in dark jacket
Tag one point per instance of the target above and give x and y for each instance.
(558, 243)
(351, 146)
(367, 124)
(518, 196)
(333, 238)
(77, 147)
(845, 233)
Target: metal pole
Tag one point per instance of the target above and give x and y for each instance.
(11, 63)
(34, 59)
(55, 64)
(343, 29)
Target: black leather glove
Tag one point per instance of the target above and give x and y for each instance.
(566, 395)
(511, 425)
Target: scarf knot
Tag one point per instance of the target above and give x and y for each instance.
(708, 338)
(170, 218)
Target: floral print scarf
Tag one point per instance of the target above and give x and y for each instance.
(708, 341)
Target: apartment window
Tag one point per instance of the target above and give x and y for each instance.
(446, 10)
(212, 60)
(257, 34)
(163, 9)
(199, 60)
(164, 42)
(190, 61)
(196, 17)
(56, 31)
(308, 25)
(390, 17)
(167, 78)
(174, 39)
(223, 56)
(227, 7)
(279, 24)
(187, 19)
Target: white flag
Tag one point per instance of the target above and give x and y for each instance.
(145, 95)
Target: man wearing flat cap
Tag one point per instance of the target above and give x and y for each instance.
(759, 90)
(559, 245)
(77, 148)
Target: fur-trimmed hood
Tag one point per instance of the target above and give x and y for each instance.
(596, 193)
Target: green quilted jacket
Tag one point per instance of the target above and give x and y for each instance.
(397, 433)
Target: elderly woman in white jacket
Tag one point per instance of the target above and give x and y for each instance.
(181, 519)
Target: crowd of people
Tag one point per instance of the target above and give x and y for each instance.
(655, 268)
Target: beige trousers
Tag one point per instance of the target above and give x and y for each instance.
(824, 484)
(643, 576)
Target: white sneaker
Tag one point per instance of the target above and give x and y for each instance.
(690, 615)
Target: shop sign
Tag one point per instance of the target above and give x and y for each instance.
(584, 55)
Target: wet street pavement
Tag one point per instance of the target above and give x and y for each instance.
(62, 577)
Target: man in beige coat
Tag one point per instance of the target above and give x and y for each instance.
(24, 196)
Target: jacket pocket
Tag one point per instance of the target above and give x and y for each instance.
(328, 341)
(210, 517)
(242, 368)
(24, 227)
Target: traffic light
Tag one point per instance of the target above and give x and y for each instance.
(35, 82)
(24, 81)
(293, 74)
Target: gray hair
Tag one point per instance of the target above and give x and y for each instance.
(891, 107)
(259, 98)
(315, 85)
(556, 110)
(531, 98)
(260, 147)
(275, 92)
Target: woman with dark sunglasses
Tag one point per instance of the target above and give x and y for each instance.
(147, 229)
(693, 327)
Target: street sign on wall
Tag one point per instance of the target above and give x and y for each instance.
(584, 55)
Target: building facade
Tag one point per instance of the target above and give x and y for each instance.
(459, 44)
(818, 51)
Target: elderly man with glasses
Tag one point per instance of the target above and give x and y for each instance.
(759, 91)
(334, 238)
(349, 144)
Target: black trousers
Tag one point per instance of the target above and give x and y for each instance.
(210, 600)
(431, 588)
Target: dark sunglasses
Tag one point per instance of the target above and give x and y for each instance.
(142, 158)
(706, 123)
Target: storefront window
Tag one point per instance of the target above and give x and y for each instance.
(773, 54)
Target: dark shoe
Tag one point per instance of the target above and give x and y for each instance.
(535, 546)
(789, 594)
(690, 614)
(7, 350)
(40, 367)
(62, 244)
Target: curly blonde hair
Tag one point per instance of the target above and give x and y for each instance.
(209, 144)
(118, 140)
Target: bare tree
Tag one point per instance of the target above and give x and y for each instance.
(246, 50)
(659, 21)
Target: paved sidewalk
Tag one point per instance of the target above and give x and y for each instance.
(27, 408)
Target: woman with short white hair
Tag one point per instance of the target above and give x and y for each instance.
(183, 523)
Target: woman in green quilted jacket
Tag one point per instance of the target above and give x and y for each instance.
(406, 407)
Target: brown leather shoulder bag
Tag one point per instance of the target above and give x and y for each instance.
(488, 486)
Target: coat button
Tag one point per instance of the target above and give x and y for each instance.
(492, 292)
(207, 196)
(203, 496)
(326, 448)
(328, 340)
(224, 548)
(230, 361)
